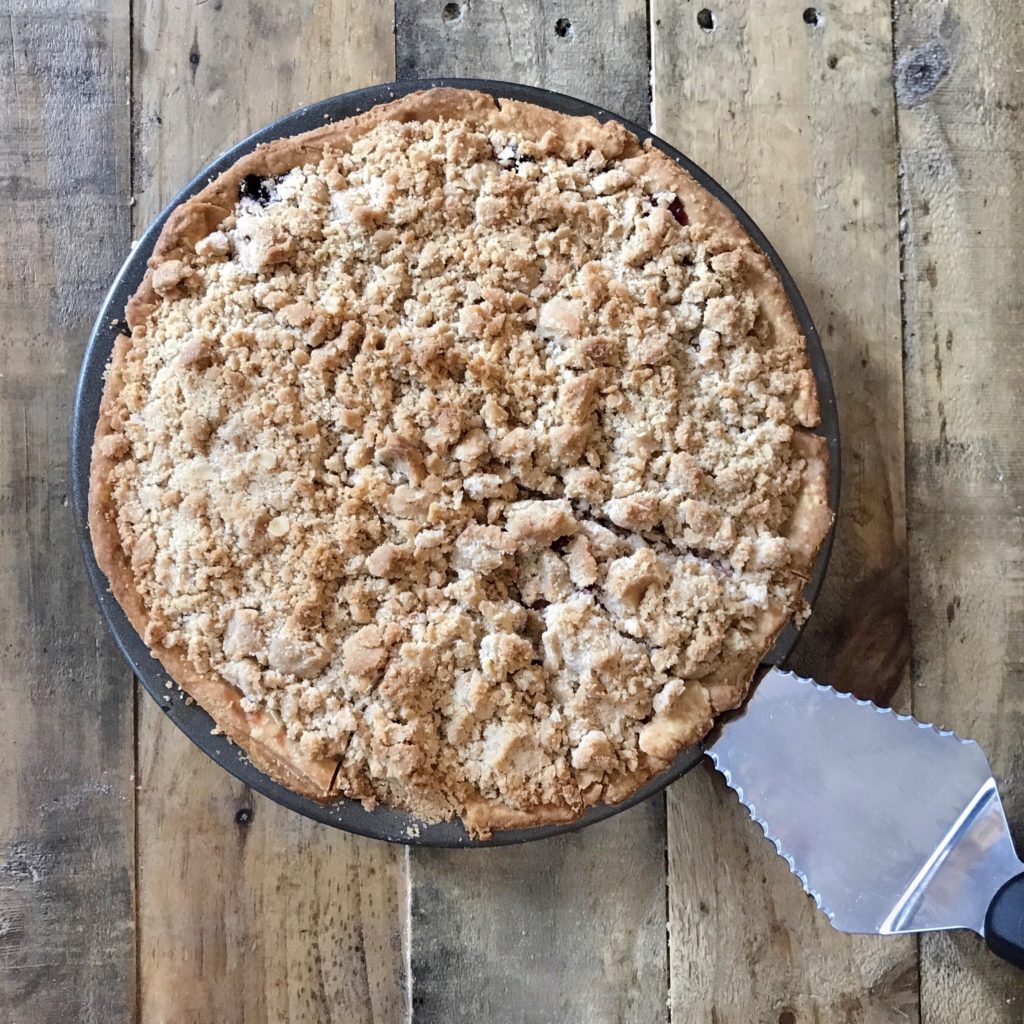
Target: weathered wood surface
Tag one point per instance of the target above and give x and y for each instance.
(66, 830)
(571, 930)
(960, 96)
(246, 911)
(796, 120)
(597, 50)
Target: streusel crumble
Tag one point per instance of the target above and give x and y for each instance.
(458, 459)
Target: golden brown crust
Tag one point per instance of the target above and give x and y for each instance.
(686, 714)
(808, 526)
(482, 817)
(257, 733)
(201, 214)
(811, 518)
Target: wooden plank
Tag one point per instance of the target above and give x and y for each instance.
(67, 946)
(246, 911)
(960, 96)
(793, 113)
(598, 51)
(569, 930)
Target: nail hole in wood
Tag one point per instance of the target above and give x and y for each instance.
(243, 816)
(564, 29)
(706, 20)
(812, 17)
(451, 12)
(787, 1017)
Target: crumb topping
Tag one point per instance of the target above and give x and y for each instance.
(468, 459)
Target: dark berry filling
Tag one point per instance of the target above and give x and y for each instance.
(678, 211)
(255, 187)
(676, 208)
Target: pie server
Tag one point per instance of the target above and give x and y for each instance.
(892, 825)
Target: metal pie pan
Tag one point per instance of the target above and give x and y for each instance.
(383, 822)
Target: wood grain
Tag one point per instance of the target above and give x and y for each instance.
(569, 930)
(795, 116)
(961, 96)
(597, 50)
(66, 938)
(248, 912)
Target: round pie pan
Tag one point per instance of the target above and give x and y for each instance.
(383, 822)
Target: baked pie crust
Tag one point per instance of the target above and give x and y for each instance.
(459, 458)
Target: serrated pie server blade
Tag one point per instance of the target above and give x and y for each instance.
(892, 825)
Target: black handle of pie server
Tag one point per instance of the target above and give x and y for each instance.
(1004, 922)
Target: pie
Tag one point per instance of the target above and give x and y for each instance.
(459, 459)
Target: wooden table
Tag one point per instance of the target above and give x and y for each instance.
(882, 152)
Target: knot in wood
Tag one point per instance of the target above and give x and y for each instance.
(919, 72)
